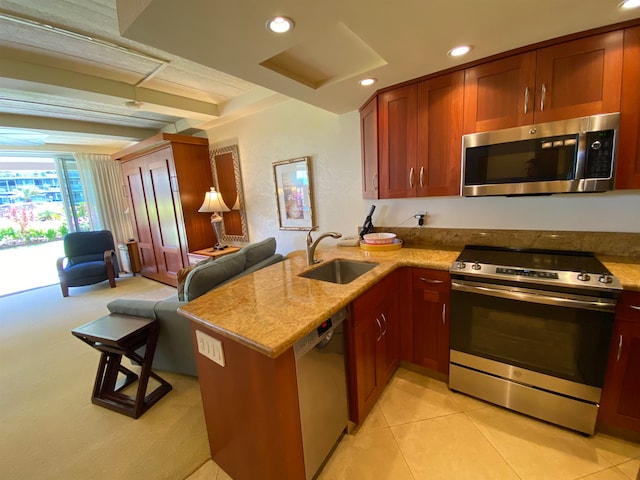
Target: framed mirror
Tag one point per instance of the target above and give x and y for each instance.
(225, 166)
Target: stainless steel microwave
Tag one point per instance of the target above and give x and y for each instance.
(569, 156)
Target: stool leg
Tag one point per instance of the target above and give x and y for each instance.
(143, 381)
(107, 375)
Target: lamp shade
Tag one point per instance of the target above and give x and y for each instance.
(213, 202)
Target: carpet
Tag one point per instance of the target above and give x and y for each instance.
(51, 430)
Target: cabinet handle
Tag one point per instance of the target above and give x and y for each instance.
(635, 307)
(619, 348)
(444, 313)
(173, 181)
(526, 100)
(543, 91)
(385, 324)
(411, 178)
(380, 328)
(422, 177)
(431, 280)
(375, 181)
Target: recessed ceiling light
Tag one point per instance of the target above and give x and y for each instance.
(365, 82)
(280, 24)
(629, 4)
(458, 51)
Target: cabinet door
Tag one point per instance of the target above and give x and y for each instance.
(628, 171)
(364, 335)
(134, 172)
(439, 148)
(499, 94)
(619, 405)
(430, 310)
(397, 118)
(369, 140)
(388, 347)
(579, 78)
(373, 345)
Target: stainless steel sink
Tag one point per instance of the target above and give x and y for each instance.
(339, 271)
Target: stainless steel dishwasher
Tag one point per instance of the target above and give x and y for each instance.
(322, 390)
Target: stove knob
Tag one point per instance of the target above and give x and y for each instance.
(584, 277)
(461, 265)
(605, 279)
(476, 266)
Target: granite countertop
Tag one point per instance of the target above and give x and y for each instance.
(272, 308)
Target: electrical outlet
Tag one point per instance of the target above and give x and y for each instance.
(210, 347)
(420, 217)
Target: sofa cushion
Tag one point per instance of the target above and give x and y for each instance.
(184, 272)
(135, 308)
(208, 275)
(256, 252)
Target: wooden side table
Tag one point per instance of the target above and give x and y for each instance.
(199, 255)
(134, 257)
(115, 336)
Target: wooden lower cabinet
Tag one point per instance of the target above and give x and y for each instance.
(430, 292)
(373, 341)
(620, 404)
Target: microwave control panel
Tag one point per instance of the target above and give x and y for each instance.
(599, 155)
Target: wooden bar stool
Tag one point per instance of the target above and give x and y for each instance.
(115, 336)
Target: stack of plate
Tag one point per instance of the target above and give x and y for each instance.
(380, 242)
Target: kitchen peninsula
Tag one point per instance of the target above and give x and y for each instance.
(251, 402)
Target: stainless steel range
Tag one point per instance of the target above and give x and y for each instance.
(530, 331)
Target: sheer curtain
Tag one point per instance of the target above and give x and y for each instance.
(103, 184)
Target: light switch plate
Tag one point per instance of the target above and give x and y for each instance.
(210, 347)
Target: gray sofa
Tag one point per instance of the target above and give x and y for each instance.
(174, 351)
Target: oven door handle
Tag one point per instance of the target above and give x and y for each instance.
(603, 305)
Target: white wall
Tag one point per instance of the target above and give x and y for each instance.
(293, 129)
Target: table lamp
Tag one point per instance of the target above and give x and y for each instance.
(213, 204)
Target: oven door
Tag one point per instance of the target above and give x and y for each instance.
(552, 341)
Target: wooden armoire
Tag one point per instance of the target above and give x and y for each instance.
(166, 178)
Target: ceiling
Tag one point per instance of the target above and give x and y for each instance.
(98, 75)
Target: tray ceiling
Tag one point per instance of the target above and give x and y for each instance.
(70, 76)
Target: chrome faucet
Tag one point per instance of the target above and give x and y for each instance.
(311, 245)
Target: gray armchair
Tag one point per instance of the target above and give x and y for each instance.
(90, 258)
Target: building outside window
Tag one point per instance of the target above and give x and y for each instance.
(41, 199)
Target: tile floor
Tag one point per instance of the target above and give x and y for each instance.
(421, 430)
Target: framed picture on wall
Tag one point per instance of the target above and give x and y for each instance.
(293, 193)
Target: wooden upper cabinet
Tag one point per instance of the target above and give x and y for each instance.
(420, 127)
(439, 149)
(628, 171)
(579, 78)
(369, 144)
(568, 80)
(499, 94)
(397, 119)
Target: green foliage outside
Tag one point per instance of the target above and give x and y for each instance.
(30, 223)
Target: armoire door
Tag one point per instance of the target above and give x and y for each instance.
(165, 214)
